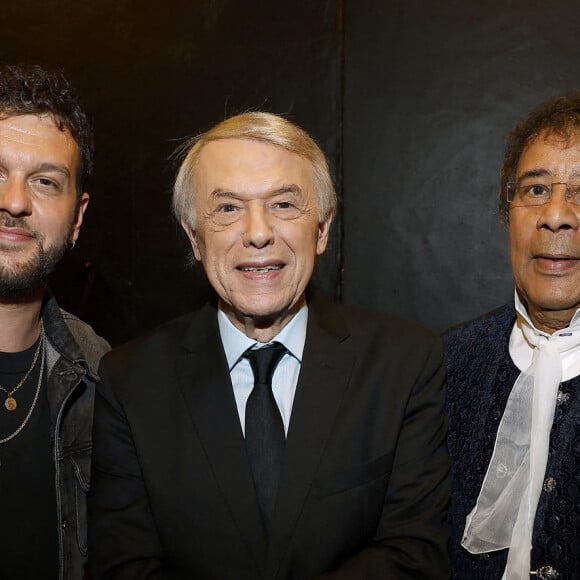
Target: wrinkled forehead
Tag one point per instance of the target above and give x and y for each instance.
(551, 153)
(41, 127)
(242, 163)
(556, 138)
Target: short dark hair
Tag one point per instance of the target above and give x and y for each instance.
(558, 116)
(34, 90)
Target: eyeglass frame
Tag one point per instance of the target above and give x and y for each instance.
(512, 185)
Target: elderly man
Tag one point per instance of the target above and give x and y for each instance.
(514, 386)
(48, 358)
(271, 434)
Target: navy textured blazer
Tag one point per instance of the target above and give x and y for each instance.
(364, 485)
(480, 376)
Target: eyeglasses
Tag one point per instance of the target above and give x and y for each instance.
(530, 193)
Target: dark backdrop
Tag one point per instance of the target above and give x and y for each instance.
(410, 101)
(431, 88)
(150, 74)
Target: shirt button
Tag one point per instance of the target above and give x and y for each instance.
(549, 484)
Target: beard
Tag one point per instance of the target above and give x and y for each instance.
(22, 278)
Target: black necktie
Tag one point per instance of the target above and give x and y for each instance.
(265, 437)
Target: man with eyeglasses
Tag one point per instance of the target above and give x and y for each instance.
(513, 374)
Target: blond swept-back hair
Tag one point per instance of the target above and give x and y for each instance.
(265, 127)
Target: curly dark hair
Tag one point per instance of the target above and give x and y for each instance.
(558, 116)
(33, 90)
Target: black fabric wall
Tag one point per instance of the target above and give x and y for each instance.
(151, 74)
(431, 88)
(410, 101)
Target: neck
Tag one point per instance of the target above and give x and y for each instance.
(551, 321)
(261, 328)
(19, 324)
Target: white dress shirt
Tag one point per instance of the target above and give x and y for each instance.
(235, 342)
(521, 351)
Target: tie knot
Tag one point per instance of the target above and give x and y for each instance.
(264, 361)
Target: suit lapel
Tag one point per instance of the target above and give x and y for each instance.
(324, 375)
(206, 386)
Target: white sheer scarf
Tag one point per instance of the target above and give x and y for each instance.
(503, 516)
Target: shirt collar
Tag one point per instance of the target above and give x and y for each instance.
(235, 342)
(522, 311)
(521, 348)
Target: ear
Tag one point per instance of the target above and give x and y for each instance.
(192, 235)
(323, 230)
(80, 212)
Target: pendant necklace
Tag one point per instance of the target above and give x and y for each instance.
(40, 377)
(10, 402)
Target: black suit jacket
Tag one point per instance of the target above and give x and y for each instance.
(364, 484)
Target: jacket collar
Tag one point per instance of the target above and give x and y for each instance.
(60, 338)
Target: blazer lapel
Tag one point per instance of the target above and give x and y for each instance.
(324, 375)
(205, 382)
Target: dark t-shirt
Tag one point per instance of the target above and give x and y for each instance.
(28, 520)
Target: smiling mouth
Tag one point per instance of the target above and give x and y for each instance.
(14, 235)
(264, 269)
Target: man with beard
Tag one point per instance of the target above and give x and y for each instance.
(47, 356)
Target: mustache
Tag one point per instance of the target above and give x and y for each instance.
(8, 221)
(563, 245)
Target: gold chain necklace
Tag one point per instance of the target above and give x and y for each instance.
(40, 376)
(10, 402)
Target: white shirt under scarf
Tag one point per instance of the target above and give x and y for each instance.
(506, 506)
(521, 351)
(285, 378)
